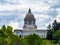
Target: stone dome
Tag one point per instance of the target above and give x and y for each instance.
(29, 21)
(29, 16)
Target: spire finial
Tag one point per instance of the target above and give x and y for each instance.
(29, 11)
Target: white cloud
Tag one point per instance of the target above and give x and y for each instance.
(52, 1)
(24, 4)
(58, 18)
(36, 5)
(14, 24)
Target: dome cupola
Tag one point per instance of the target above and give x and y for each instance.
(29, 16)
(29, 21)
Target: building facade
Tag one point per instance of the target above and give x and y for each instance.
(30, 27)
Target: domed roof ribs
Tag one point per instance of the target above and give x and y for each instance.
(29, 16)
(29, 11)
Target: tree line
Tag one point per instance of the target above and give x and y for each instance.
(8, 38)
(54, 32)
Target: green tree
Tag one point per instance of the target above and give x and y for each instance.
(55, 25)
(2, 42)
(3, 28)
(56, 35)
(58, 25)
(50, 34)
(18, 41)
(46, 42)
(49, 26)
(5, 38)
(9, 30)
(15, 41)
(52, 29)
(33, 39)
(1, 33)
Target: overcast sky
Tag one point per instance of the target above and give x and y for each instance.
(12, 12)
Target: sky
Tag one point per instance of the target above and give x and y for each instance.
(12, 12)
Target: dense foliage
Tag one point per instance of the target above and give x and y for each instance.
(54, 32)
(7, 38)
(53, 36)
(33, 39)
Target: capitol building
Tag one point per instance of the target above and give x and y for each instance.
(30, 27)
